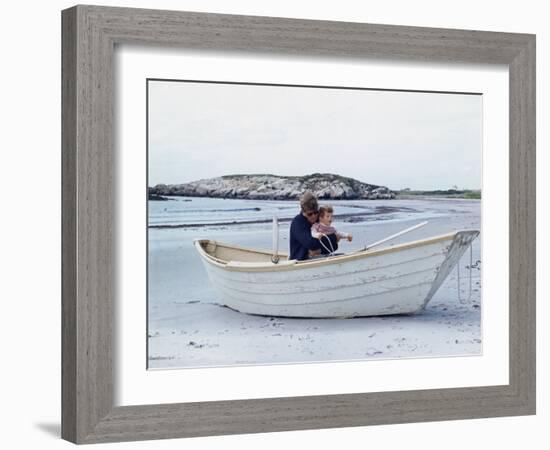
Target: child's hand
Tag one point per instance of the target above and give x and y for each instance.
(350, 237)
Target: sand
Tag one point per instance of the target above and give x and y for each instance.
(189, 327)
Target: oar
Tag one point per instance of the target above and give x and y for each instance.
(395, 235)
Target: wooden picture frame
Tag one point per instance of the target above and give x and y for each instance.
(89, 35)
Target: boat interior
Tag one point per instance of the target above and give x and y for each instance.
(235, 256)
(224, 253)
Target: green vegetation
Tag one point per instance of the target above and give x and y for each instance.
(470, 194)
(475, 195)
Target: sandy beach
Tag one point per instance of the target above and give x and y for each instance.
(188, 325)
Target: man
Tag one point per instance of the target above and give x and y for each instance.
(301, 240)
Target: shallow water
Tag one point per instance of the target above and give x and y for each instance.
(199, 211)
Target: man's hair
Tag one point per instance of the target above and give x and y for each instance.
(325, 209)
(308, 202)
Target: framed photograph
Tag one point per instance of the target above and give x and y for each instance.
(267, 222)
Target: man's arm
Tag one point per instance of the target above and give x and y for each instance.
(303, 236)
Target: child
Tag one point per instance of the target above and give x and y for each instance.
(326, 233)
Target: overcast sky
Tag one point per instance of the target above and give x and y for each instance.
(395, 139)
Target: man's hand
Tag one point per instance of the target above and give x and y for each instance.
(350, 237)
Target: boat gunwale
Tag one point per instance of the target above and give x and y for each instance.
(314, 263)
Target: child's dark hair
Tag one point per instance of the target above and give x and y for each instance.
(325, 209)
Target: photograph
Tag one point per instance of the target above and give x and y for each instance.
(291, 224)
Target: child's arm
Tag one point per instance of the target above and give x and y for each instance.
(343, 235)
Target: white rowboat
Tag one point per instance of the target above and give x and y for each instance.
(399, 279)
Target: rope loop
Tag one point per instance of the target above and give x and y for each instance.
(331, 251)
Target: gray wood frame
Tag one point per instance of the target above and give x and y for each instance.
(89, 36)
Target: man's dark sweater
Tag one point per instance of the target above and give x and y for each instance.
(301, 240)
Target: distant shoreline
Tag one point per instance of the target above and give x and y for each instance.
(400, 195)
(467, 194)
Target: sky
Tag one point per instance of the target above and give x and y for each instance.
(396, 139)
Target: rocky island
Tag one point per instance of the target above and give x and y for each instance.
(274, 187)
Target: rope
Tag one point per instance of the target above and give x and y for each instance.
(463, 301)
(331, 251)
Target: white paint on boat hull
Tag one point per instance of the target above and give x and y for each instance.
(395, 280)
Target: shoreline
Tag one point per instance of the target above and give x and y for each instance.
(379, 210)
(398, 196)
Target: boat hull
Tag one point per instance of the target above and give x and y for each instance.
(395, 280)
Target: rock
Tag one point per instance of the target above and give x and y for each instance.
(157, 197)
(373, 351)
(325, 186)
